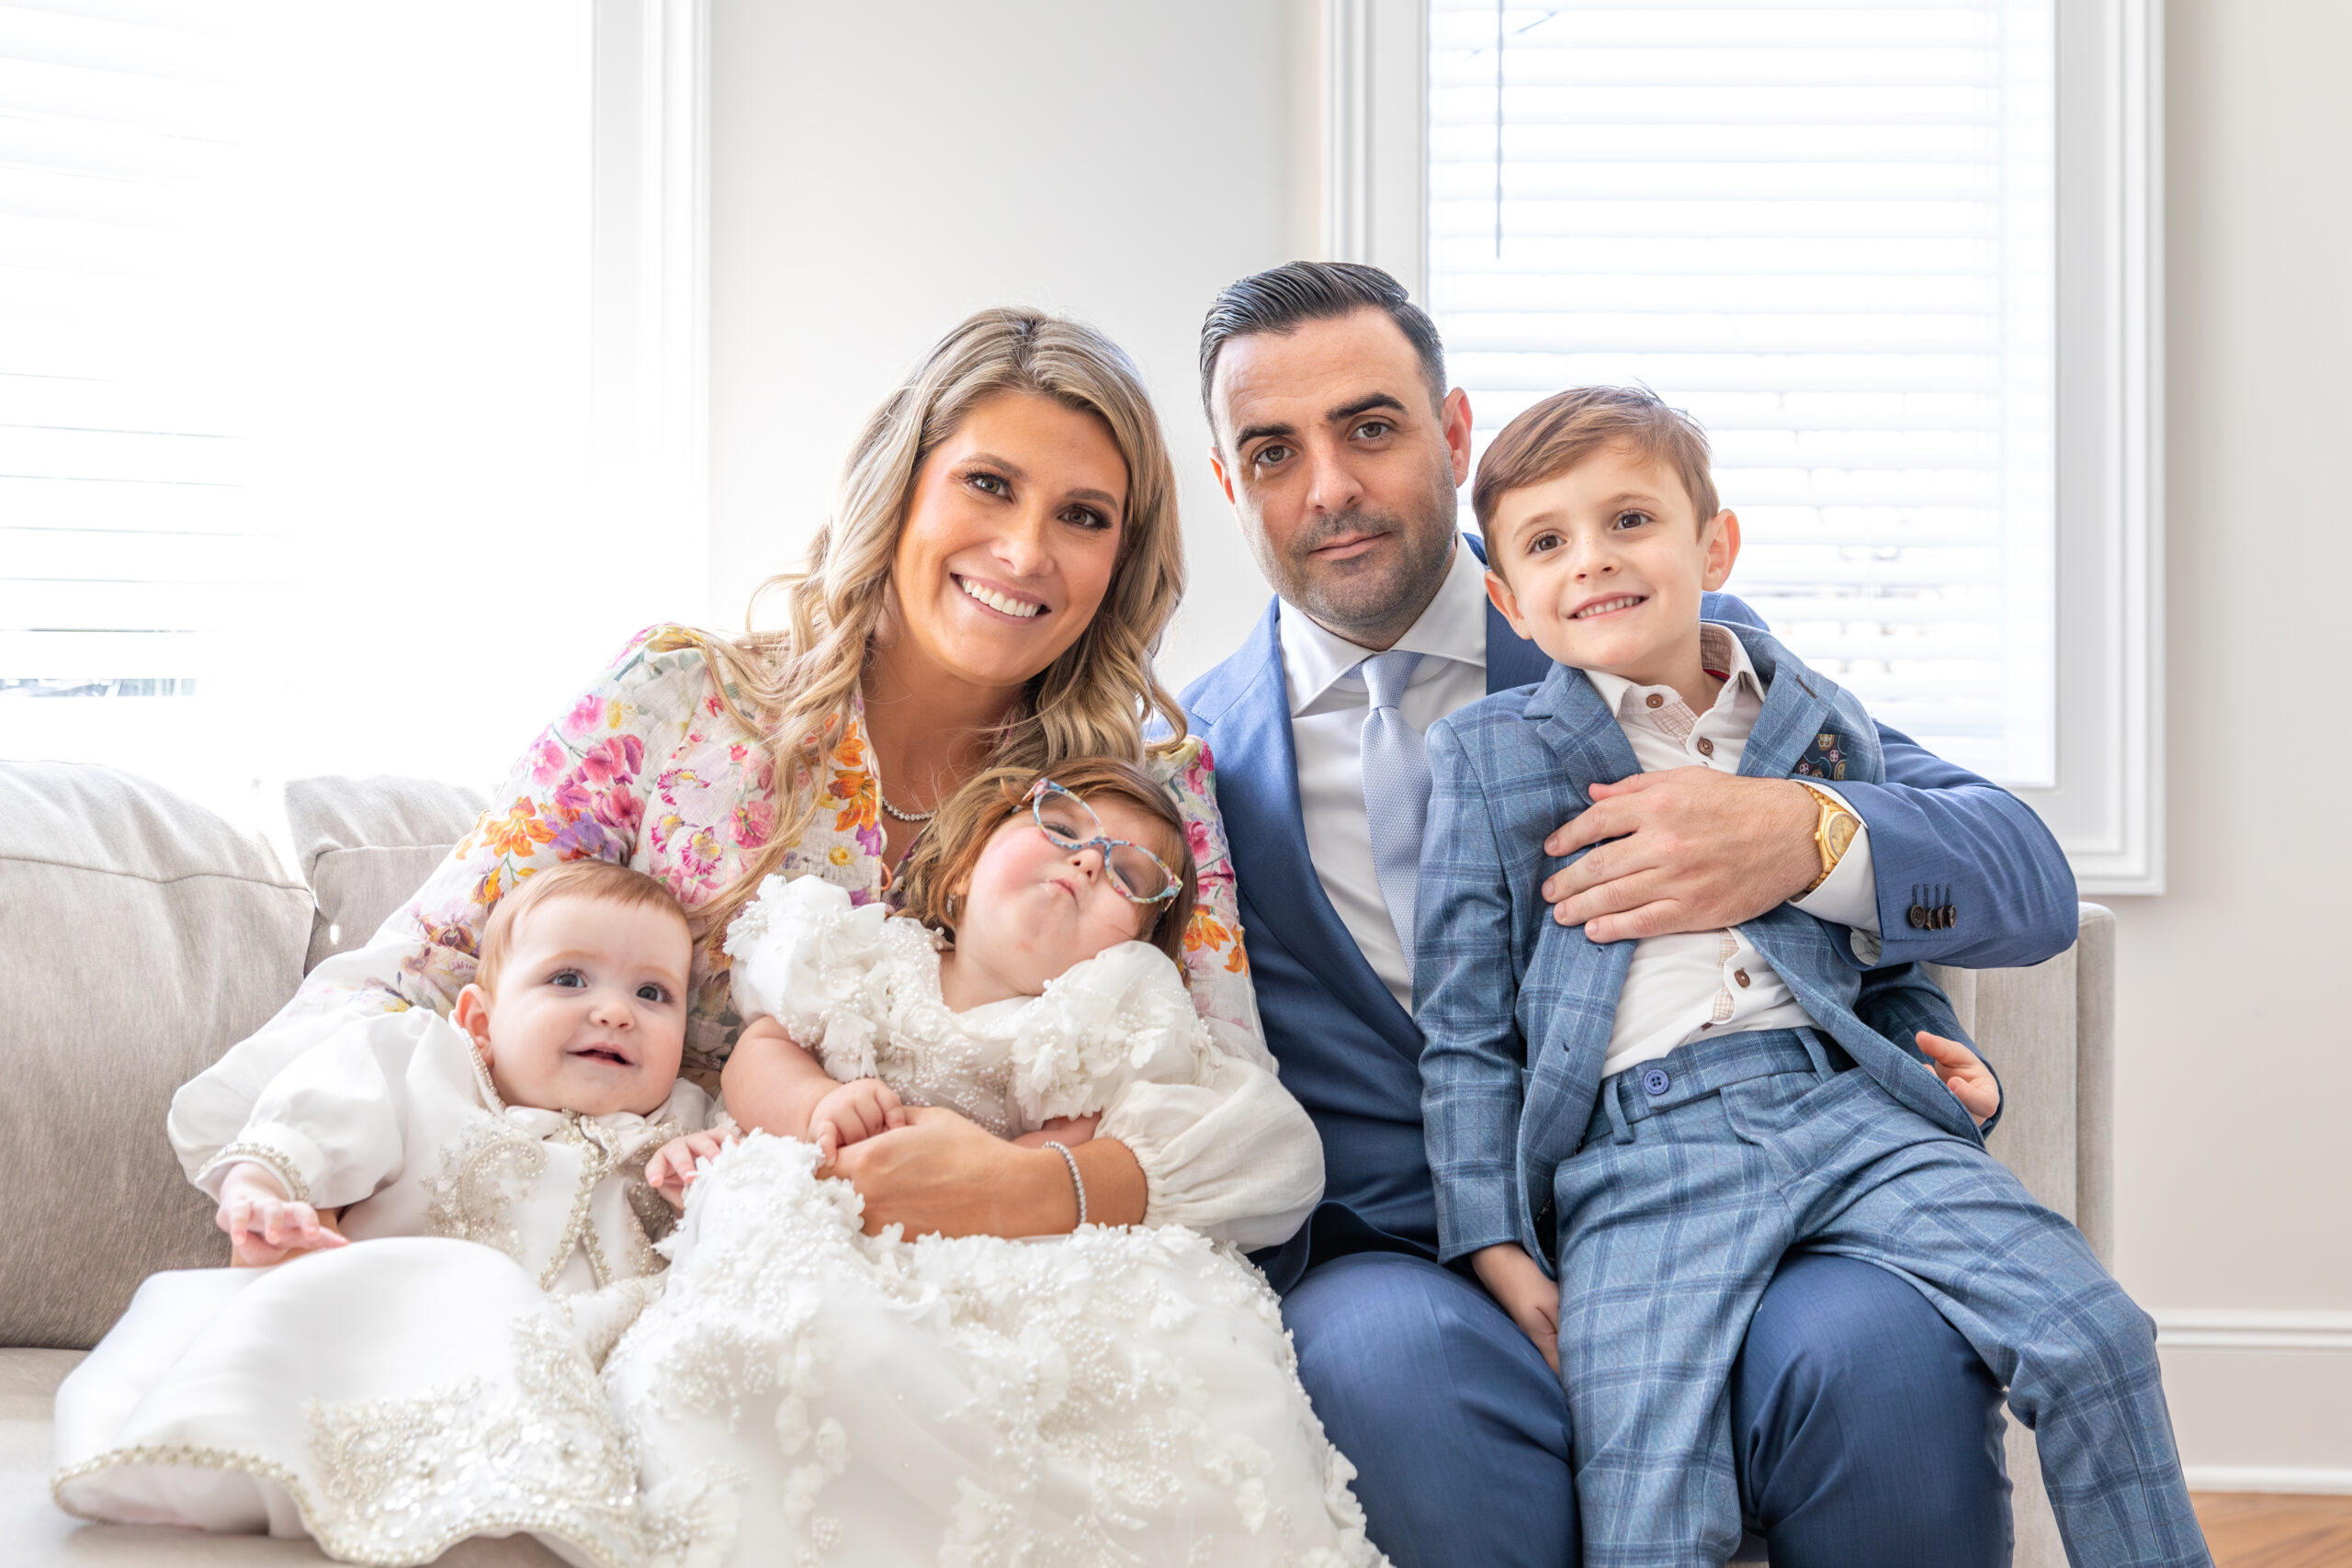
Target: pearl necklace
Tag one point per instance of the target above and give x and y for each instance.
(905, 816)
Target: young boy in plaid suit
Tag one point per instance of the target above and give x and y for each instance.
(1627, 1138)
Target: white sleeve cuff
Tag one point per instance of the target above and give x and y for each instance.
(1848, 897)
(1237, 1159)
(284, 1152)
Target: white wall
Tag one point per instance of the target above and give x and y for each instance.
(880, 171)
(2234, 1055)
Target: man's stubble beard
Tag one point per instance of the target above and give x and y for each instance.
(1370, 603)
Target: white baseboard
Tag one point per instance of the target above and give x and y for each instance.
(2248, 1329)
(2259, 1398)
(2297, 1483)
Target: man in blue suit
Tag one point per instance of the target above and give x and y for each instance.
(1867, 1430)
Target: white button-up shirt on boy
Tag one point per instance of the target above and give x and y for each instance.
(1695, 985)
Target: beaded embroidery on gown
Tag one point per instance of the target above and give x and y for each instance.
(435, 1379)
(1114, 1397)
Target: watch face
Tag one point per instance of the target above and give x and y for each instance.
(1840, 831)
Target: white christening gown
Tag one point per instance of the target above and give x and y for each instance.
(1114, 1396)
(435, 1379)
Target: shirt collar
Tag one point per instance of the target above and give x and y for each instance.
(1719, 650)
(1453, 626)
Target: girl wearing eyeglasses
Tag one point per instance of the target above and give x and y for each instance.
(1117, 1394)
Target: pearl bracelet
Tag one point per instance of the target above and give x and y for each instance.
(1076, 1181)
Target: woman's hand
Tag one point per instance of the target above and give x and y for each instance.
(941, 1175)
(1519, 1283)
(1964, 1073)
(673, 1168)
(264, 1225)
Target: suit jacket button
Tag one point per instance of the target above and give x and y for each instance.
(1948, 916)
(1918, 917)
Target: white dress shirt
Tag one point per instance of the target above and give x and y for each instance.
(1695, 985)
(1328, 706)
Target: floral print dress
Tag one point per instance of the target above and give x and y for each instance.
(650, 769)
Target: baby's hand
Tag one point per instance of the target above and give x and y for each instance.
(1526, 1291)
(1964, 1073)
(853, 1113)
(264, 1225)
(1067, 1131)
(672, 1169)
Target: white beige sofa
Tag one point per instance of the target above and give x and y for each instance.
(140, 935)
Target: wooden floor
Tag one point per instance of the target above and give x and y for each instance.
(2253, 1529)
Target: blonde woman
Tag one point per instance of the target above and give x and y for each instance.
(1001, 560)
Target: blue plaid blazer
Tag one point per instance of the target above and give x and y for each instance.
(1517, 1009)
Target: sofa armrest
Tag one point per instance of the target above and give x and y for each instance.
(2048, 1030)
(2095, 1081)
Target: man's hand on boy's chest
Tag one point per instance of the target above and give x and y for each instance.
(1689, 850)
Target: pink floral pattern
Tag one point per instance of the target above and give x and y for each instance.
(648, 768)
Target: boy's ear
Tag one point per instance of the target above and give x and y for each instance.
(1499, 594)
(1720, 537)
(472, 1015)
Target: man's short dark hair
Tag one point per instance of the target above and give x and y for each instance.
(1282, 298)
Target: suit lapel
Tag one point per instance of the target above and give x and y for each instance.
(1581, 731)
(1512, 660)
(1589, 747)
(1257, 784)
(1793, 712)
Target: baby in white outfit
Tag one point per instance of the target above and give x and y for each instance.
(519, 1123)
(422, 1368)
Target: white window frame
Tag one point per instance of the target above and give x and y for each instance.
(647, 116)
(651, 274)
(2107, 805)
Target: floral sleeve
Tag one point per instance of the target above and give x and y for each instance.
(1216, 966)
(642, 768)
(579, 790)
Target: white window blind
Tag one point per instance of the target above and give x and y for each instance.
(339, 347)
(1826, 230)
(127, 541)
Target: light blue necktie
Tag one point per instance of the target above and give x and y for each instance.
(1395, 787)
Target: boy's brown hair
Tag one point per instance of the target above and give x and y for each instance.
(600, 879)
(943, 860)
(1566, 428)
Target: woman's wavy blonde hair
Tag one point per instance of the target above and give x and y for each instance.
(794, 686)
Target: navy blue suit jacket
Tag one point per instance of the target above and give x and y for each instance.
(1941, 838)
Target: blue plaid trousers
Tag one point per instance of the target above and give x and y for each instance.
(1700, 1169)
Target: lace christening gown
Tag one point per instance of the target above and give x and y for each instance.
(1114, 1397)
(433, 1381)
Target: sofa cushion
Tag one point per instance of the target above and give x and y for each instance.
(365, 845)
(141, 936)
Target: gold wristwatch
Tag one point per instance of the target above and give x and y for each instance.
(1832, 833)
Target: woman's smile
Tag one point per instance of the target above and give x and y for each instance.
(1010, 541)
(1004, 603)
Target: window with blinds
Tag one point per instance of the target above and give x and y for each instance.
(1825, 230)
(127, 542)
(299, 469)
